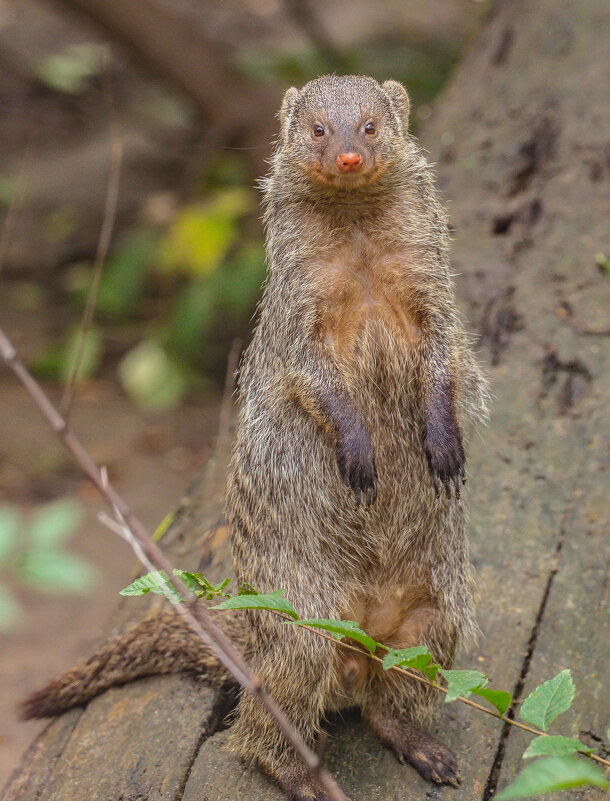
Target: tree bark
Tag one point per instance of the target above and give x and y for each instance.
(518, 139)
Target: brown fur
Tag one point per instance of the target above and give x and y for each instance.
(354, 392)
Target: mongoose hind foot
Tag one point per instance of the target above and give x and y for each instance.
(432, 759)
(297, 784)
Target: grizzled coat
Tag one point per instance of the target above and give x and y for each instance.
(354, 386)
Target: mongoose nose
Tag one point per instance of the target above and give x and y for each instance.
(349, 162)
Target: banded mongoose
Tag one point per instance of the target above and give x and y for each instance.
(344, 485)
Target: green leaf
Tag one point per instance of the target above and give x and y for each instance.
(10, 522)
(54, 523)
(429, 670)
(551, 774)
(247, 589)
(56, 571)
(193, 318)
(555, 745)
(157, 582)
(498, 698)
(189, 579)
(202, 233)
(422, 661)
(152, 379)
(603, 262)
(550, 699)
(198, 583)
(9, 610)
(462, 682)
(273, 601)
(341, 629)
(404, 657)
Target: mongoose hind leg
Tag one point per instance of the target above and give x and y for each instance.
(295, 780)
(433, 760)
(299, 672)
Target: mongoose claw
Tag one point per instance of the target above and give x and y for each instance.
(446, 460)
(435, 762)
(356, 460)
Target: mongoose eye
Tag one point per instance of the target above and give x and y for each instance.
(318, 129)
(370, 128)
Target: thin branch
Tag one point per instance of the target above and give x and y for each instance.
(152, 558)
(103, 245)
(424, 680)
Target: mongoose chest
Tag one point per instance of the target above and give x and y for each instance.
(362, 286)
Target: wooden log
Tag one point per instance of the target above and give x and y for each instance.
(518, 141)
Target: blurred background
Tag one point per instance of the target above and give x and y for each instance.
(132, 133)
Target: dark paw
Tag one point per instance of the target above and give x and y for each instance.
(356, 459)
(433, 760)
(446, 458)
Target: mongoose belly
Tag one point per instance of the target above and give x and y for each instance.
(362, 294)
(399, 616)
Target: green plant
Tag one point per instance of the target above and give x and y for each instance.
(35, 555)
(556, 768)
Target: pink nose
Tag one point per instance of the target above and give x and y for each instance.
(349, 162)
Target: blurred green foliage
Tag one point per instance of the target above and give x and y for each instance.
(35, 554)
(201, 273)
(56, 360)
(71, 69)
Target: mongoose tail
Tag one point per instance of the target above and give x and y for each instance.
(161, 643)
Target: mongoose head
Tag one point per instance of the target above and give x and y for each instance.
(343, 132)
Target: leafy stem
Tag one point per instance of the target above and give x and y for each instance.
(540, 708)
(557, 770)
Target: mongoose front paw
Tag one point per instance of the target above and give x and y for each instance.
(356, 459)
(446, 458)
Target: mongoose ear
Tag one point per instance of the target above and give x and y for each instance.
(400, 100)
(288, 104)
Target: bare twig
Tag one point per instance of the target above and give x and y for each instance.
(152, 558)
(103, 245)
